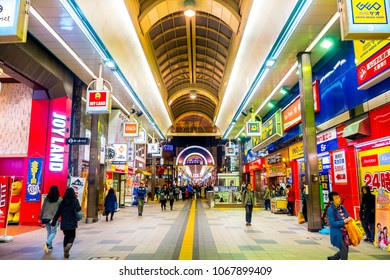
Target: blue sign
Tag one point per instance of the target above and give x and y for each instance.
(34, 179)
(327, 146)
(384, 158)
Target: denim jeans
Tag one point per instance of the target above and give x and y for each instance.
(51, 233)
(248, 213)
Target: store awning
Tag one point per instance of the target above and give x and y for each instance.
(358, 129)
(146, 173)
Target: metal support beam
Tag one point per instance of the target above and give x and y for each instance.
(309, 141)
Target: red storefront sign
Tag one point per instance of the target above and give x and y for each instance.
(98, 102)
(371, 160)
(292, 114)
(4, 201)
(374, 66)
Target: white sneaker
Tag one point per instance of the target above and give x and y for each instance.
(45, 248)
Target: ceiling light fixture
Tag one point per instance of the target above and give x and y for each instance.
(271, 104)
(326, 44)
(284, 90)
(189, 6)
(270, 62)
(192, 94)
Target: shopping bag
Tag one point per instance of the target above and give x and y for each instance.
(360, 228)
(353, 233)
(301, 218)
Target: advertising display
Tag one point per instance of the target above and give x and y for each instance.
(78, 184)
(130, 129)
(292, 113)
(141, 137)
(377, 66)
(34, 179)
(153, 148)
(14, 21)
(367, 19)
(117, 153)
(339, 167)
(98, 102)
(253, 128)
(375, 172)
(4, 200)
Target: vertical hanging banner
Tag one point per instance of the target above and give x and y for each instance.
(98, 102)
(339, 167)
(130, 129)
(253, 128)
(13, 21)
(4, 200)
(34, 179)
(78, 184)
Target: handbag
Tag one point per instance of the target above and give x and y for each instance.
(301, 218)
(353, 232)
(78, 215)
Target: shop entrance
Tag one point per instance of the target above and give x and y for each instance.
(119, 185)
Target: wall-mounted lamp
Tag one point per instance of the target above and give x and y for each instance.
(189, 6)
(271, 104)
(132, 111)
(284, 90)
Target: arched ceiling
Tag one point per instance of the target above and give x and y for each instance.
(160, 56)
(191, 55)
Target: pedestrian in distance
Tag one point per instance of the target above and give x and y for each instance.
(267, 198)
(249, 201)
(48, 210)
(290, 200)
(141, 193)
(338, 217)
(67, 210)
(367, 213)
(109, 204)
(163, 197)
(171, 196)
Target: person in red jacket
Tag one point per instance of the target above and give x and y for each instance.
(290, 200)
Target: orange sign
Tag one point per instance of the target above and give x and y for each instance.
(130, 129)
(292, 114)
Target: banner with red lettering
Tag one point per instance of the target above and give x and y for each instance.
(4, 200)
(375, 172)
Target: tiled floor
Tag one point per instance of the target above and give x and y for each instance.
(220, 234)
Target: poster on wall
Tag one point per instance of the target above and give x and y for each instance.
(34, 179)
(375, 172)
(339, 167)
(4, 200)
(78, 184)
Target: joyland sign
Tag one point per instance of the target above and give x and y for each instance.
(98, 102)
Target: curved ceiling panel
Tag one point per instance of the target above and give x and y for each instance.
(191, 54)
(201, 104)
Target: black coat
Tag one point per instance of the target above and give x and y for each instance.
(367, 207)
(109, 202)
(67, 211)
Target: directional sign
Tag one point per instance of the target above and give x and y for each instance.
(77, 141)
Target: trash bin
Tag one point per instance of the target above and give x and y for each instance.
(210, 198)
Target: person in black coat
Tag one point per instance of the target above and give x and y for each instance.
(109, 204)
(67, 210)
(367, 213)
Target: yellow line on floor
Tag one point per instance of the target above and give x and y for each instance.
(188, 240)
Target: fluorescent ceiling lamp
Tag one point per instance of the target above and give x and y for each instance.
(270, 62)
(110, 64)
(81, 25)
(61, 41)
(274, 53)
(271, 104)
